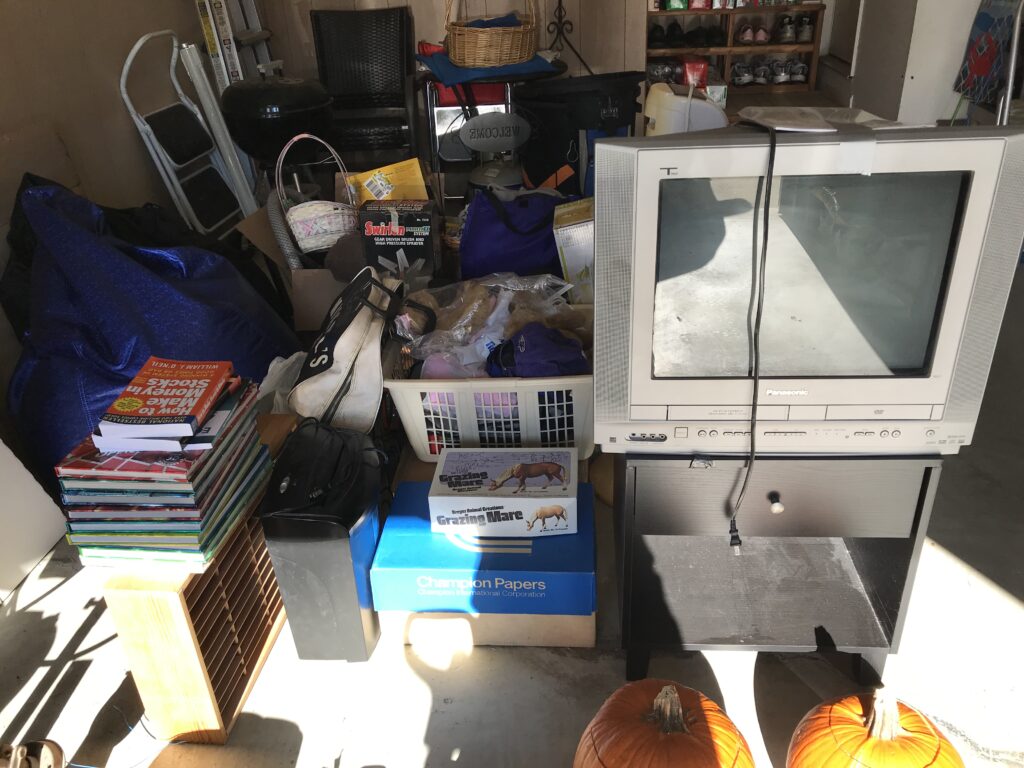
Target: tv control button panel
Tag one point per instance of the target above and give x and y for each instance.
(646, 437)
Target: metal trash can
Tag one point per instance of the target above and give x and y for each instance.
(322, 520)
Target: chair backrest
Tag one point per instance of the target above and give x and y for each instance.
(363, 57)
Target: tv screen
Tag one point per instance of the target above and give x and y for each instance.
(857, 271)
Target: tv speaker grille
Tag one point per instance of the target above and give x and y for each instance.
(615, 170)
(999, 258)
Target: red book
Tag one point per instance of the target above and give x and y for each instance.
(86, 462)
(167, 398)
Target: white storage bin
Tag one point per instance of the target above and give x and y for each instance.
(495, 413)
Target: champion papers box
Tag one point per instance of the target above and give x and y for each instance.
(505, 492)
(410, 226)
(417, 570)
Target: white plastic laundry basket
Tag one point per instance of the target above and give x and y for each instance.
(495, 413)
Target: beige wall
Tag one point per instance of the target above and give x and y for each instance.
(61, 113)
(61, 63)
(609, 33)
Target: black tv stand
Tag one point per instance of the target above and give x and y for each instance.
(831, 571)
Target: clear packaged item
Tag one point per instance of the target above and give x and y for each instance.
(476, 316)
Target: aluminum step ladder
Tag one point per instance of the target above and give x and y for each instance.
(235, 39)
(207, 183)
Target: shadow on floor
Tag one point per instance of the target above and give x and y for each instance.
(28, 638)
(977, 509)
(121, 713)
(254, 742)
(788, 686)
(485, 710)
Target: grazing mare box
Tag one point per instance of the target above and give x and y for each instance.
(505, 492)
(421, 571)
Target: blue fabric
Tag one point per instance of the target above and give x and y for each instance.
(508, 20)
(101, 307)
(450, 75)
(510, 236)
(538, 351)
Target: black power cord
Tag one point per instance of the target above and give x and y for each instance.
(758, 302)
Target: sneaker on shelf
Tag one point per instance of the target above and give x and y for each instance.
(716, 37)
(780, 71)
(674, 37)
(805, 30)
(761, 37)
(797, 70)
(656, 37)
(762, 71)
(741, 73)
(746, 35)
(786, 31)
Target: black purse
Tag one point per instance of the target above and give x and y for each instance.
(324, 475)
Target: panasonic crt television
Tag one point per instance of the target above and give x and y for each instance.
(889, 261)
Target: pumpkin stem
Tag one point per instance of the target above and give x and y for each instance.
(884, 720)
(668, 711)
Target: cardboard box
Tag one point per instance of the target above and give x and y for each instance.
(574, 236)
(505, 492)
(421, 571)
(411, 226)
(399, 181)
(462, 631)
(312, 291)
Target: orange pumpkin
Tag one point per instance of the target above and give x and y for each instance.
(869, 732)
(661, 724)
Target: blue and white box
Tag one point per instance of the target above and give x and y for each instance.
(457, 571)
(518, 492)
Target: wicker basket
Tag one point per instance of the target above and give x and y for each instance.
(491, 46)
(317, 224)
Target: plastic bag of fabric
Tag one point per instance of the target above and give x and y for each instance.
(100, 307)
(463, 308)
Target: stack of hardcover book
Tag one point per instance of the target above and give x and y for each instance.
(173, 467)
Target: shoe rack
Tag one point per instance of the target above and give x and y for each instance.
(731, 20)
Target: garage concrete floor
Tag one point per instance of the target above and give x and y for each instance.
(62, 675)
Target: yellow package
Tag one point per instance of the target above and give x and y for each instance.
(401, 181)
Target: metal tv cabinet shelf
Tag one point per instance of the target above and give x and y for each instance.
(830, 547)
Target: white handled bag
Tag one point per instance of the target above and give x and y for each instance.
(341, 382)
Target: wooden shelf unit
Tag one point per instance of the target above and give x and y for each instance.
(196, 642)
(731, 19)
(753, 50)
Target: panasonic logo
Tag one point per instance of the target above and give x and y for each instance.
(787, 392)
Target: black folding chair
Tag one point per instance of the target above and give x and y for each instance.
(365, 61)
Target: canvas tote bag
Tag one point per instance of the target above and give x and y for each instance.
(341, 382)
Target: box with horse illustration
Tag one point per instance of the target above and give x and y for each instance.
(505, 492)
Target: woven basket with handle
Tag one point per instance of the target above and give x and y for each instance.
(490, 46)
(317, 224)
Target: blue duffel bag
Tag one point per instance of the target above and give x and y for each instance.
(100, 307)
(511, 231)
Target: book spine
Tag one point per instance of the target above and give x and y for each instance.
(226, 37)
(220, 73)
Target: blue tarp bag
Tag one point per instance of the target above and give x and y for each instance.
(100, 307)
(510, 231)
